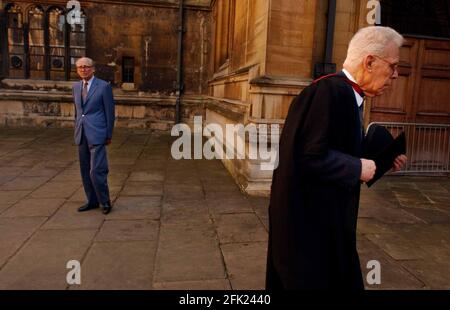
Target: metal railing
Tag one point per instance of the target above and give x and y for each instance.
(427, 147)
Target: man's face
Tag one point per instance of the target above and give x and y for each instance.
(84, 69)
(381, 71)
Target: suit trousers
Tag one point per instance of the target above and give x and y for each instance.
(94, 171)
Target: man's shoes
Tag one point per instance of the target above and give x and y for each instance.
(106, 208)
(87, 207)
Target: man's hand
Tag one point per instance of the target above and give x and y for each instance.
(368, 169)
(399, 162)
(108, 142)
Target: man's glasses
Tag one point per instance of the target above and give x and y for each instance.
(83, 67)
(393, 66)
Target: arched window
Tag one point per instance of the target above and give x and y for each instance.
(36, 43)
(16, 47)
(57, 43)
(41, 44)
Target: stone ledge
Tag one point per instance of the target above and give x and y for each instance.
(61, 96)
(280, 81)
(231, 109)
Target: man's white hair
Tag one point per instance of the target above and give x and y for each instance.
(88, 60)
(372, 40)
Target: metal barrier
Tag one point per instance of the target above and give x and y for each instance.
(427, 147)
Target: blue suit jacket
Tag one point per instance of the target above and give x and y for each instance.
(96, 116)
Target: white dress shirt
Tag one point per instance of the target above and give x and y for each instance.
(359, 99)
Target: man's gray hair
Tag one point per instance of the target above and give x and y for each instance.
(372, 40)
(89, 61)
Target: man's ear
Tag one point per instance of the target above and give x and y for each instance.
(368, 63)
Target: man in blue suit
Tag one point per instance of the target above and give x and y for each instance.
(94, 123)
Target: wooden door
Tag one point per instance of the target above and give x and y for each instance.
(421, 95)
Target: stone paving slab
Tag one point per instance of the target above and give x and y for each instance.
(373, 226)
(11, 197)
(146, 176)
(396, 246)
(430, 216)
(41, 263)
(184, 224)
(6, 178)
(14, 232)
(393, 275)
(68, 217)
(34, 207)
(185, 212)
(246, 264)
(387, 214)
(188, 253)
(226, 205)
(183, 191)
(434, 274)
(136, 208)
(220, 284)
(56, 190)
(38, 171)
(143, 189)
(128, 230)
(243, 227)
(22, 183)
(118, 266)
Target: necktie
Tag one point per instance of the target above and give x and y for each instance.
(84, 92)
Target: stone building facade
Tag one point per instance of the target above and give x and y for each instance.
(134, 44)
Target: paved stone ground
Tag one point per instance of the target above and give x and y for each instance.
(184, 224)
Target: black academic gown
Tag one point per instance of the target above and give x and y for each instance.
(315, 192)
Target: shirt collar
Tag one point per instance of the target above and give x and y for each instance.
(89, 81)
(359, 99)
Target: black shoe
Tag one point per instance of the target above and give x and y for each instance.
(106, 208)
(87, 207)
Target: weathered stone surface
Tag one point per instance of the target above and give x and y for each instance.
(34, 207)
(56, 190)
(246, 265)
(372, 226)
(242, 227)
(434, 274)
(143, 189)
(220, 284)
(261, 207)
(185, 211)
(118, 266)
(431, 216)
(393, 275)
(128, 230)
(146, 176)
(188, 253)
(183, 192)
(14, 232)
(11, 197)
(389, 215)
(136, 208)
(41, 263)
(24, 183)
(224, 204)
(68, 217)
(199, 217)
(396, 246)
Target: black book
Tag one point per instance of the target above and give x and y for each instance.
(383, 149)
